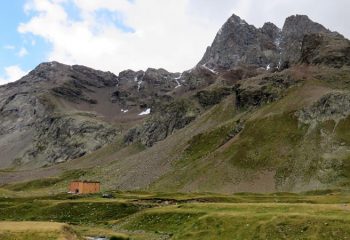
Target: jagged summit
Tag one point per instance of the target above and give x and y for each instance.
(320, 48)
(236, 20)
(271, 30)
(293, 32)
(238, 43)
(302, 24)
(233, 40)
(55, 72)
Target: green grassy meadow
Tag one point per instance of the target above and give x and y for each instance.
(144, 215)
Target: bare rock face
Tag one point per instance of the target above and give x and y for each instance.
(331, 50)
(261, 90)
(208, 98)
(197, 78)
(163, 123)
(293, 32)
(56, 111)
(79, 80)
(144, 88)
(58, 139)
(270, 31)
(34, 128)
(237, 43)
(333, 106)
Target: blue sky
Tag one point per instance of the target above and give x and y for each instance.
(114, 35)
(11, 42)
(26, 51)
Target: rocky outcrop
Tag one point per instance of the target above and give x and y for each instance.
(232, 76)
(145, 88)
(237, 43)
(33, 127)
(331, 50)
(333, 106)
(258, 91)
(270, 31)
(19, 111)
(78, 80)
(207, 98)
(293, 32)
(163, 123)
(197, 78)
(59, 139)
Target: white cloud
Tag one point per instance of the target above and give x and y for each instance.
(9, 47)
(12, 73)
(166, 34)
(22, 52)
(172, 34)
(331, 14)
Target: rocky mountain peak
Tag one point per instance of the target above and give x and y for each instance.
(232, 45)
(35, 112)
(301, 24)
(49, 66)
(331, 50)
(293, 32)
(58, 74)
(271, 30)
(237, 43)
(42, 73)
(235, 20)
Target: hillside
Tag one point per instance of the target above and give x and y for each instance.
(152, 216)
(265, 110)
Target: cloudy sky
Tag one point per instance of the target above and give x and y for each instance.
(115, 35)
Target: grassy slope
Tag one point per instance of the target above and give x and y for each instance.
(197, 145)
(145, 215)
(273, 152)
(140, 170)
(246, 221)
(36, 231)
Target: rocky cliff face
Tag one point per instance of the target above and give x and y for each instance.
(58, 112)
(333, 106)
(168, 118)
(145, 88)
(238, 43)
(331, 50)
(293, 32)
(257, 91)
(35, 129)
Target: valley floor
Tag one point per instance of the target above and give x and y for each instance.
(142, 215)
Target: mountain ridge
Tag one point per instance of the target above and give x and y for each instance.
(247, 117)
(267, 46)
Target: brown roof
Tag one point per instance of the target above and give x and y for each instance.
(85, 181)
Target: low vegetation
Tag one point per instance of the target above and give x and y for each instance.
(46, 182)
(36, 231)
(143, 215)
